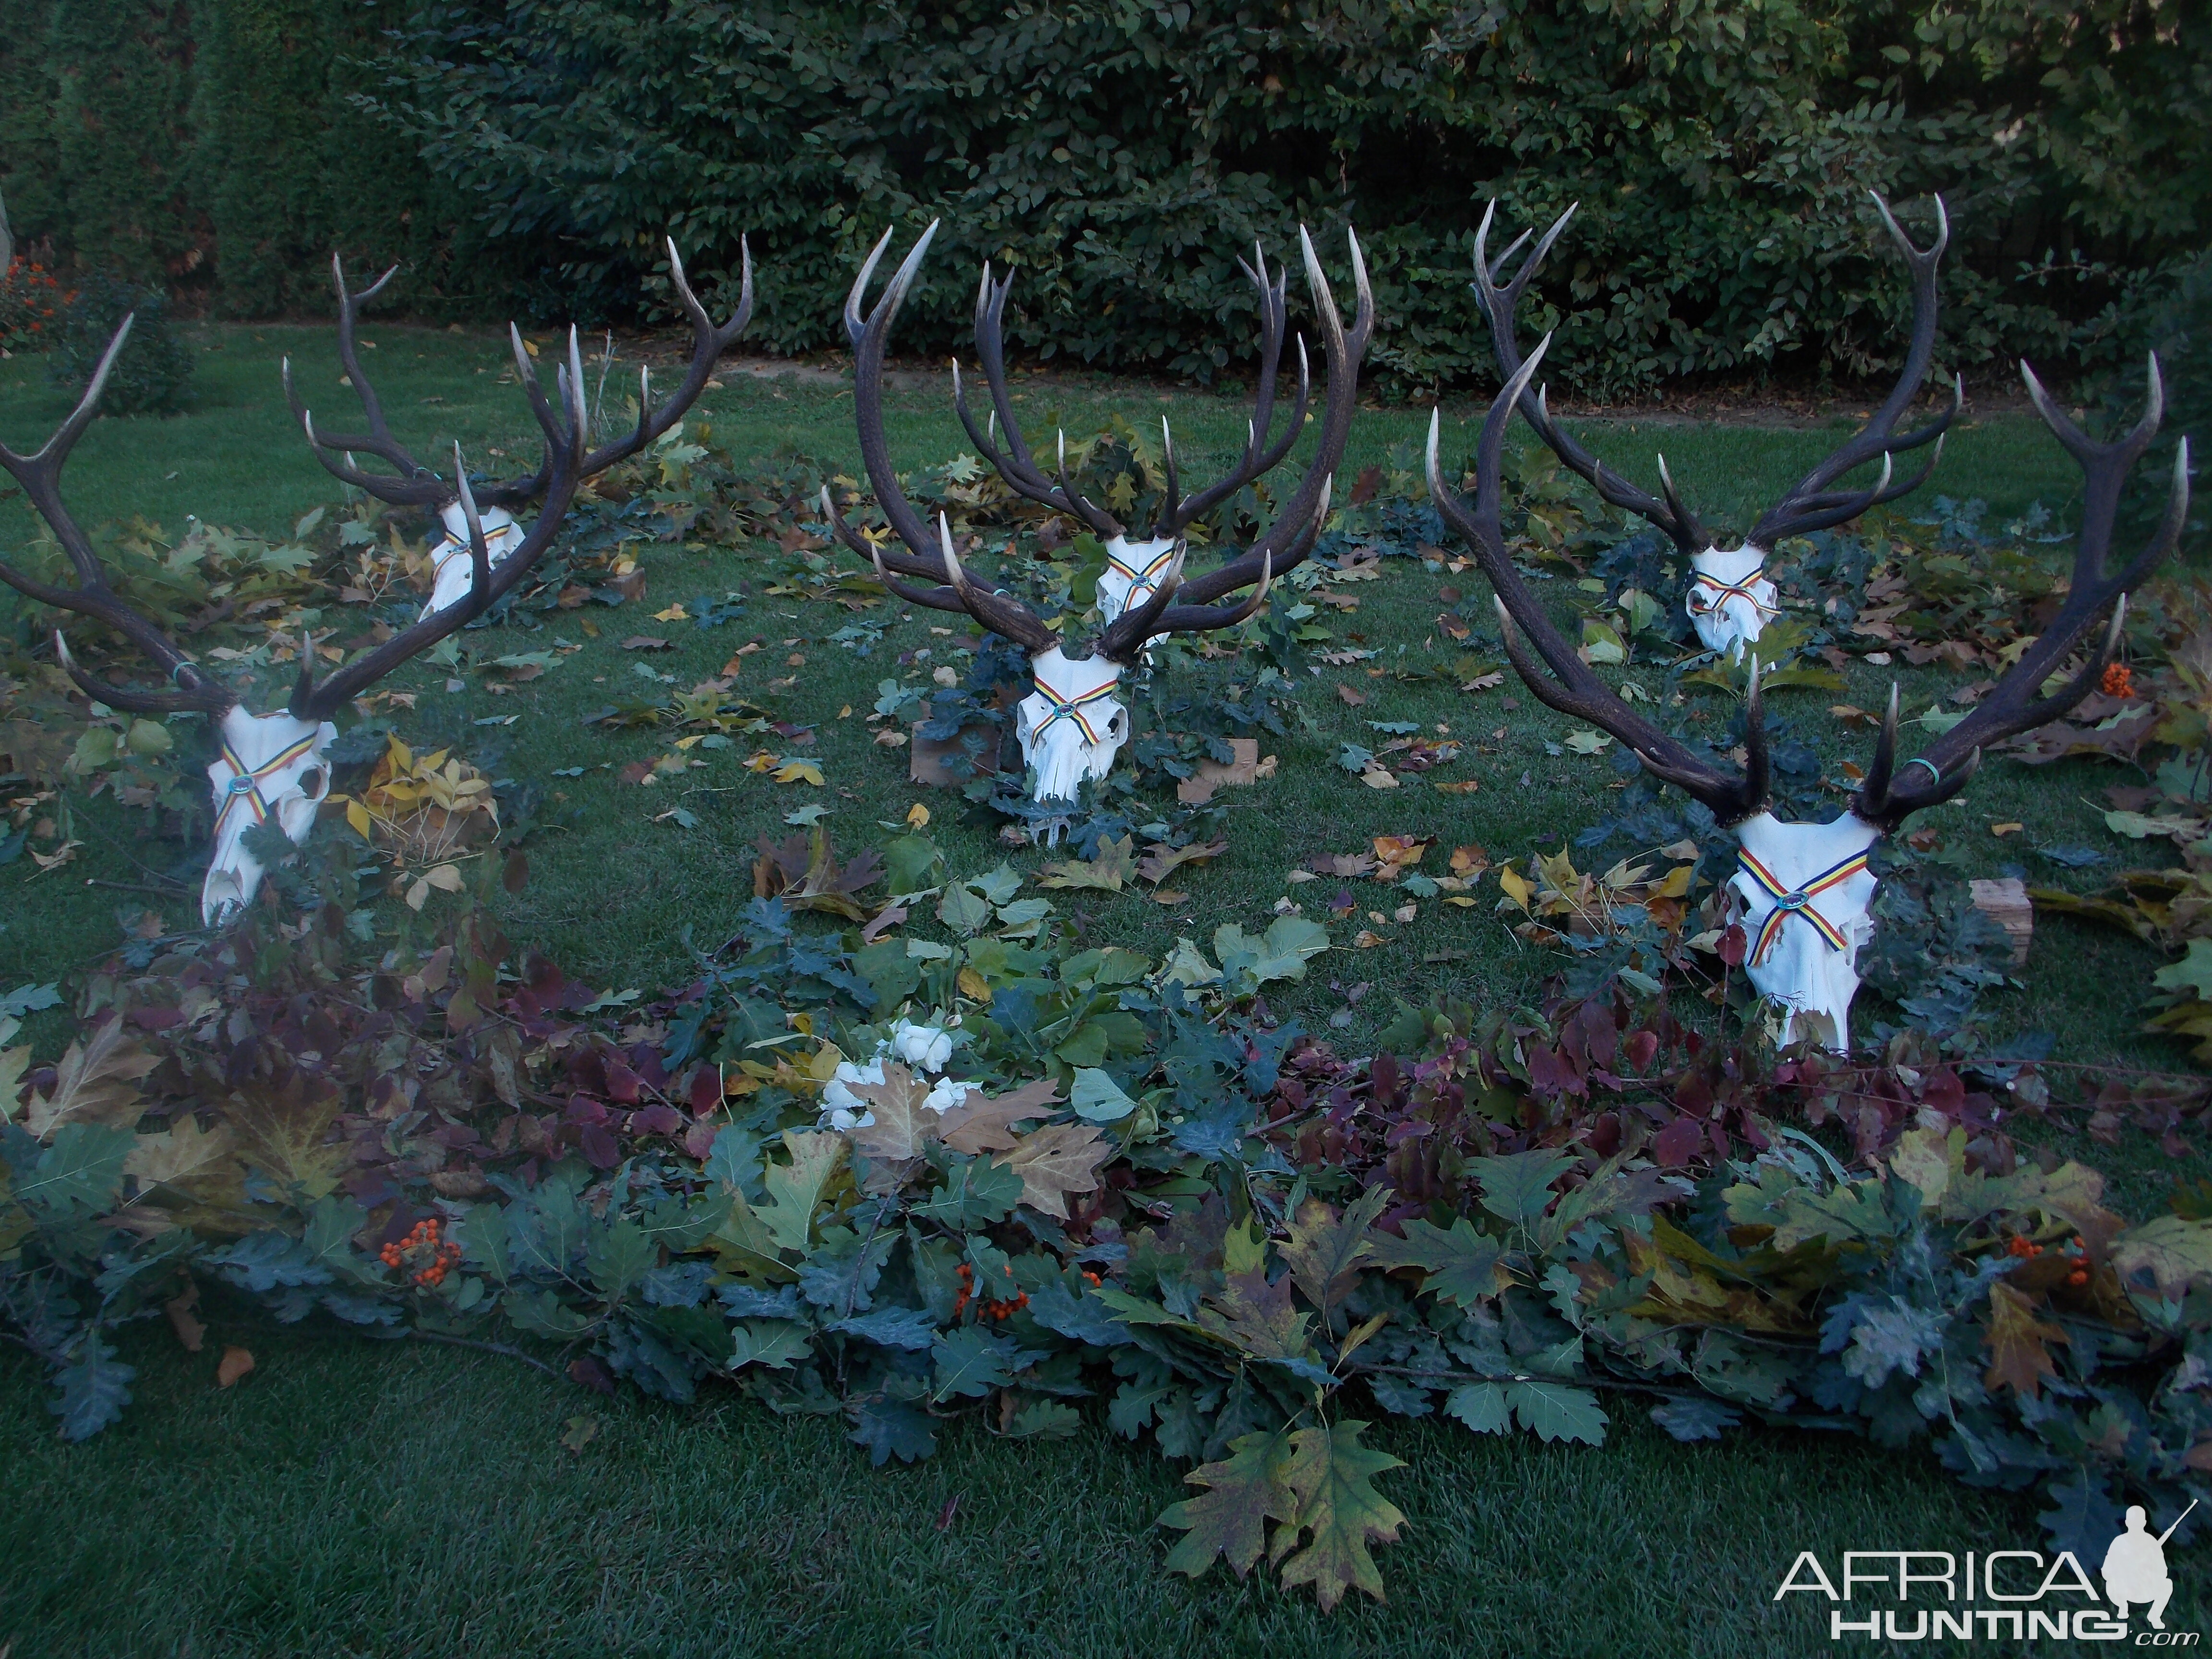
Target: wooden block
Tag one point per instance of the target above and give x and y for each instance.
(1198, 789)
(2007, 903)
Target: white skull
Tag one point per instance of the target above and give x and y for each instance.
(1133, 572)
(1730, 599)
(271, 766)
(450, 558)
(1070, 725)
(1801, 944)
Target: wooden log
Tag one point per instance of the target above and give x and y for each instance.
(2006, 902)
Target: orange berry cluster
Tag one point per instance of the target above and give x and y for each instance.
(428, 1257)
(992, 1310)
(2027, 1250)
(2119, 680)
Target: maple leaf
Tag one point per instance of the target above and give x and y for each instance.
(1325, 1250)
(795, 1189)
(2173, 1250)
(1109, 870)
(1057, 1160)
(985, 1124)
(2016, 1339)
(792, 769)
(1244, 1492)
(95, 1083)
(902, 1126)
(284, 1132)
(1259, 1317)
(1339, 1513)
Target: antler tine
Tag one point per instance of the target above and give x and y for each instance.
(1800, 511)
(905, 563)
(565, 435)
(935, 598)
(1001, 613)
(1013, 462)
(416, 485)
(1499, 302)
(1172, 499)
(2016, 703)
(1287, 541)
(1570, 686)
(1261, 456)
(40, 475)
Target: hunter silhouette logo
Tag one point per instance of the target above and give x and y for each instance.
(2017, 1594)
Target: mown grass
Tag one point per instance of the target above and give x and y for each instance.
(355, 1498)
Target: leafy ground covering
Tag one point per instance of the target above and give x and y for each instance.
(1152, 968)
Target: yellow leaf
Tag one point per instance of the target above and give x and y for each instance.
(1516, 888)
(417, 893)
(1376, 777)
(446, 878)
(674, 613)
(973, 985)
(237, 1363)
(917, 816)
(798, 771)
(357, 817)
(178, 1154)
(1057, 1160)
(285, 1132)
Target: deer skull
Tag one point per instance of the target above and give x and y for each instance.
(450, 561)
(1806, 893)
(271, 766)
(1135, 570)
(1071, 726)
(1730, 597)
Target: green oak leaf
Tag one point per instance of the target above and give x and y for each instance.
(1463, 1266)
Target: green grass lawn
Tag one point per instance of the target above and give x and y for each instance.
(349, 1499)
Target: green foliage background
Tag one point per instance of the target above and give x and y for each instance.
(1120, 153)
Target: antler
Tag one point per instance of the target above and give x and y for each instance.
(416, 485)
(931, 558)
(1811, 504)
(562, 470)
(1288, 539)
(1177, 513)
(40, 475)
(2012, 705)
(1571, 686)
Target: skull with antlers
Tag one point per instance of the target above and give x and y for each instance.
(1731, 597)
(272, 766)
(412, 484)
(1804, 890)
(1072, 725)
(1138, 558)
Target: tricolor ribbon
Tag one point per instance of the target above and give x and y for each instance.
(1143, 584)
(246, 783)
(458, 548)
(1069, 708)
(1799, 904)
(1721, 592)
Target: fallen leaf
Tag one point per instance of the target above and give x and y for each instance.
(581, 1433)
(1160, 859)
(1376, 777)
(2006, 829)
(917, 817)
(984, 1124)
(674, 613)
(236, 1362)
(97, 1082)
(2016, 1339)
(1356, 699)
(1465, 786)
(1056, 1161)
(644, 642)
(190, 1333)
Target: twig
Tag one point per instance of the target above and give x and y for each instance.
(504, 1349)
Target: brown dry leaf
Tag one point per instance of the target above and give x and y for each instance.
(1469, 860)
(2016, 1339)
(236, 1364)
(97, 1082)
(1396, 853)
(1057, 1160)
(644, 642)
(190, 1333)
(1465, 786)
(1160, 859)
(984, 1125)
(1356, 699)
(902, 1126)
(1377, 777)
(1367, 939)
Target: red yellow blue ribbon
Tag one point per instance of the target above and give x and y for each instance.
(1798, 903)
(246, 783)
(1721, 592)
(1143, 584)
(1070, 708)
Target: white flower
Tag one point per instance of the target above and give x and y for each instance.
(947, 1095)
(846, 1110)
(924, 1046)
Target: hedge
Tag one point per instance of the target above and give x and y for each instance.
(1120, 153)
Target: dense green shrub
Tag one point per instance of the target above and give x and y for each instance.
(1120, 153)
(154, 375)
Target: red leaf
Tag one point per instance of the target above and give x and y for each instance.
(1732, 945)
(1679, 1142)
